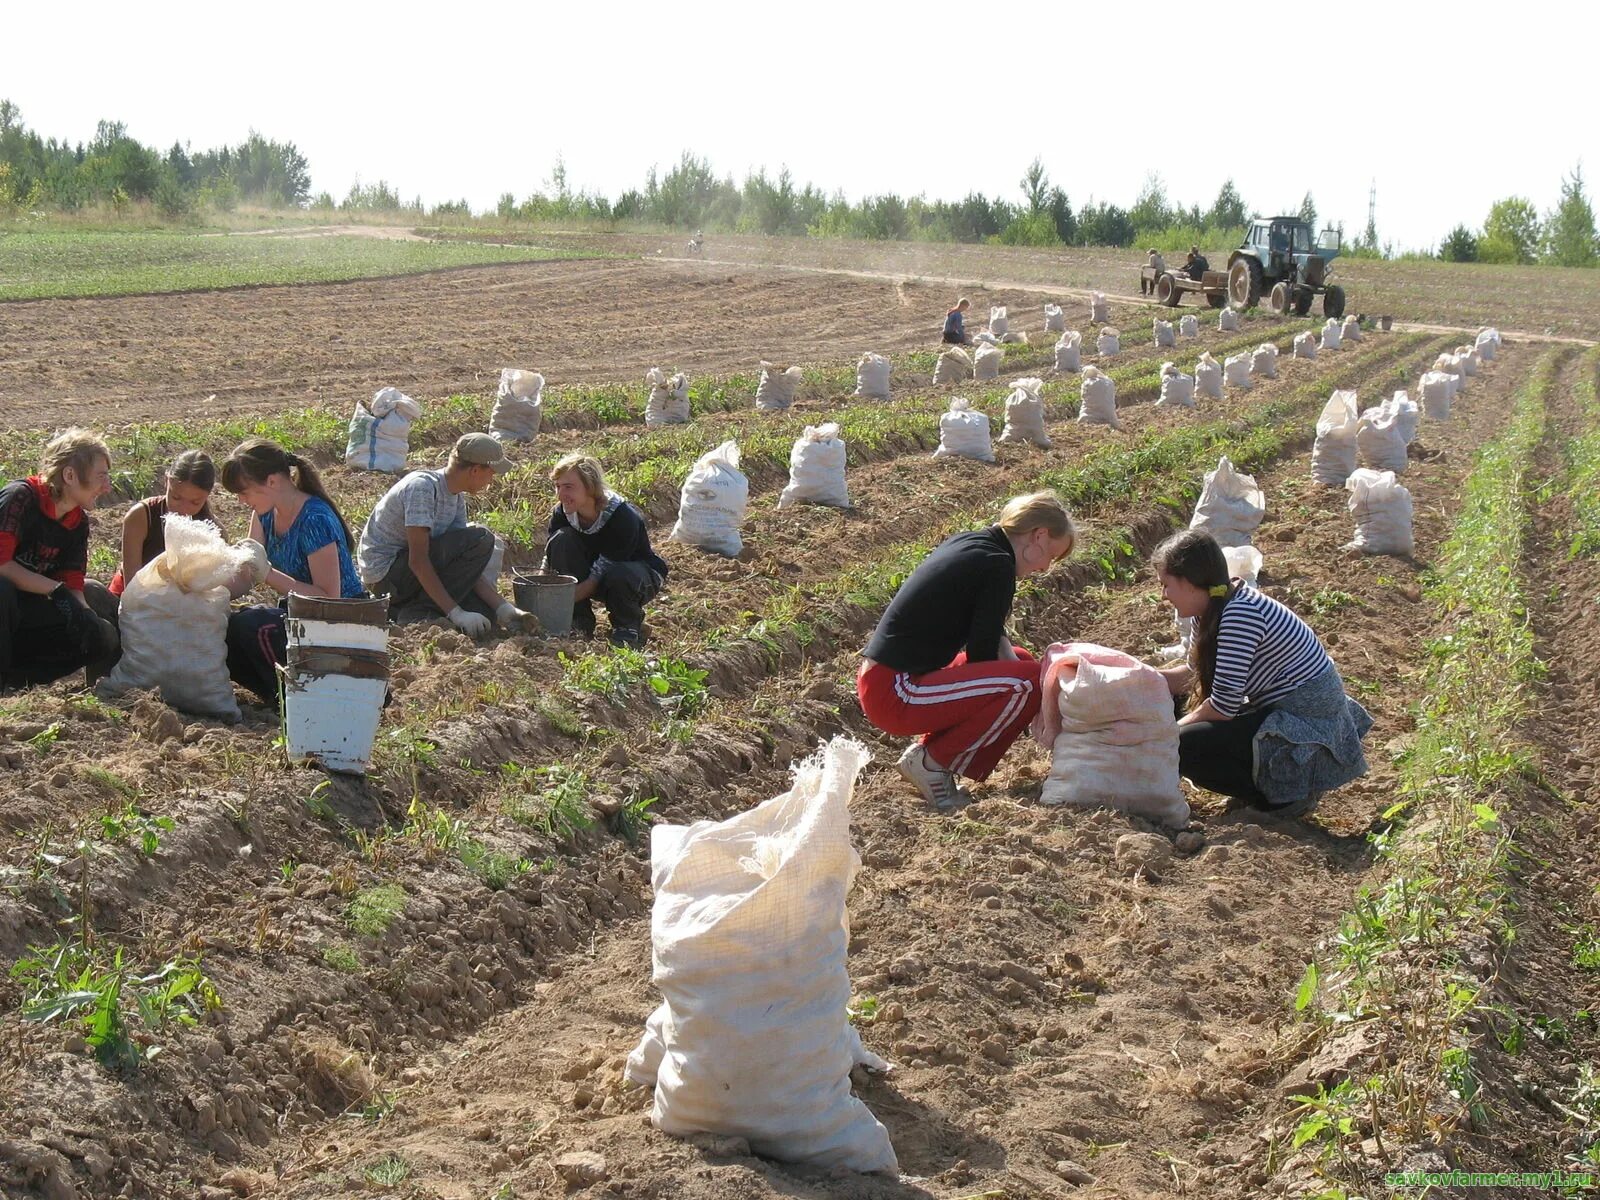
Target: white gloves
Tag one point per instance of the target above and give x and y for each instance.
(509, 616)
(474, 625)
(258, 564)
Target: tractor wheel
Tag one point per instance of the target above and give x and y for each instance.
(1333, 301)
(1303, 296)
(1280, 299)
(1244, 283)
(1167, 290)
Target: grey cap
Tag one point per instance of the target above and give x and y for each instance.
(481, 450)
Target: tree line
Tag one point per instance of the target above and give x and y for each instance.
(1514, 232)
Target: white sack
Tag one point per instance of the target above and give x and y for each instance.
(1333, 454)
(1236, 371)
(1099, 310)
(1098, 404)
(1068, 351)
(1488, 343)
(998, 321)
(1382, 440)
(749, 934)
(964, 433)
(1264, 361)
(986, 363)
(712, 503)
(1230, 507)
(1208, 377)
(872, 376)
(1382, 509)
(985, 338)
(1438, 389)
(1189, 326)
(380, 431)
(1331, 334)
(518, 406)
(1407, 415)
(1305, 345)
(1108, 343)
(669, 398)
(1017, 337)
(1228, 321)
(1177, 389)
(954, 366)
(1164, 333)
(1025, 414)
(1351, 330)
(816, 469)
(1055, 321)
(174, 621)
(1244, 563)
(1118, 744)
(775, 391)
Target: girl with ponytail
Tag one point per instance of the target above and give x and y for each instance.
(1269, 722)
(308, 547)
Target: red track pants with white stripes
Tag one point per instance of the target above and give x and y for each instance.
(971, 712)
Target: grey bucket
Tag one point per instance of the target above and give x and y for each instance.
(1387, 323)
(548, 597)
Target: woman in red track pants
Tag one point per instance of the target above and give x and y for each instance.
(939, 663)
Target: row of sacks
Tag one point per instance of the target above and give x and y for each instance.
(1237, 370)
(1334, 334)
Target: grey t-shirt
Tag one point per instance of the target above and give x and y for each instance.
(421, 498)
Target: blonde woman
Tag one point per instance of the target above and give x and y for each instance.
(940, 664)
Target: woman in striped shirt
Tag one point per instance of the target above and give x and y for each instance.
(1271, 724)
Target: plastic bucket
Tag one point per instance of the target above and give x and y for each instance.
(336, 679)
(1387, 323)
(548, 597)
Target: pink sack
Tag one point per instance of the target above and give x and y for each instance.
(1129, 702)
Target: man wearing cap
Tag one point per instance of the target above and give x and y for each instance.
(418, 549)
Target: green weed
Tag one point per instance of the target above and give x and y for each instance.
(553, 799)
(129, 824)
(389, 1171)
(370, 911)
(341, 957)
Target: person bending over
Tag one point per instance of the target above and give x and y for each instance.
(418, 549)
(1270, 723)
(939, 663)
(46, 627)
(955, 327)
(308, 549)
(600, 539)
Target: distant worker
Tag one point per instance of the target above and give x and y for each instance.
(1158, 267)
(955, 326)
(1195, 265)
(418, 549)
(697, 242)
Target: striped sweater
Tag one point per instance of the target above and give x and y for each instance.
(1264, 652)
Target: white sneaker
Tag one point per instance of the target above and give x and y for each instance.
(938, 786)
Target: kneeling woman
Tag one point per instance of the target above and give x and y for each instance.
(1271, 724)
(939, 663)
(308, 547)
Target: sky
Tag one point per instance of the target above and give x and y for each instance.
(1445, 107)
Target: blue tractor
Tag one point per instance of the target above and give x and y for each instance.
(1279, 256)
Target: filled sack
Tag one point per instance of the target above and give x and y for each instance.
(986, 363)
(1332, 337)
(1230, 505)
(712, 503)
(518, 406)
(1438, 390)
(1488, 343)
(816, 469)
(985, 338)
(1055, 321)
(1407, 415)
(1113, 736)
(669, 398)
(964, 433)
(1264, 361)
(775, 391)
(1208, 377)
(1164, 333)
(1099, 310)
(1177, 389)
(1189, 326)
(1351, 330)
(1025, 413)
(1381, 440)
(379, 435)
(954, 366)
(1068, 351)
(749, 934)
(1017, 337)
(1098, 399)
(1470, 360)
(999, 322)
(174, 620)
(872, 376)
(1236, 371)
(1333, 454)
(1305, 345)
(1108, 343)
(1228, 321)
(1382, 509)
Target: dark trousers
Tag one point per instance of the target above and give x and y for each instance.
(625, 588)
(39, 642)
(952, 338)
(257, 644)
(1220, 755)
(459, 558)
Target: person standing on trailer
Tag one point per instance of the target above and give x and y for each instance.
(940, 664)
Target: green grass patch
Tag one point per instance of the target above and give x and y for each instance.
(1581, 480)
(369, 912)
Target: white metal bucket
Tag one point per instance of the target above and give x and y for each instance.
(335, 681)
